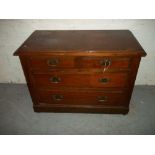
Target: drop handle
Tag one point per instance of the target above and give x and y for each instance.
(52, 62)
(55, 79)
(57, 97)
(102, 98)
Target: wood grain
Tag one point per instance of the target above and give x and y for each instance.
(81, 41)
(90, 71)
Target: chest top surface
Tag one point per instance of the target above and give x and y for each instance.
(81, 41)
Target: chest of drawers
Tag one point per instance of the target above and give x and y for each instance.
(81, 70)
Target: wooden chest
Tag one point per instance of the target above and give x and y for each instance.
(81, 70)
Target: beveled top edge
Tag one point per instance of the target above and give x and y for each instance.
(29, 46)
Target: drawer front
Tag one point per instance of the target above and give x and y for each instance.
(60, 79)
(59, 97)
(103, 62)
(79, 62)
(48, 62)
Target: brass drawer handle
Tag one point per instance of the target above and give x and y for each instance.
(52, 62)
(104, 80)
(105, 62)
(102, 98)
(57, 97)
(55, 79)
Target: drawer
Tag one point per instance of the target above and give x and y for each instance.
(103, 62)
(48, 62)
(68, 79)
(81, 97)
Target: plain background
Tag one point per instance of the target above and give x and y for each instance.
(14, 32)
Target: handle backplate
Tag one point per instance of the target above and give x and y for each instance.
(104, 80)
(52, 62)
(57, 97)
(55, 79)
(102, 98)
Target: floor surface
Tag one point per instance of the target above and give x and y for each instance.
(17, 116)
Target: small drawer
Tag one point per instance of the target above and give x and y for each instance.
(65, 79)
(52, 62)
(81, 97)
(103, 62)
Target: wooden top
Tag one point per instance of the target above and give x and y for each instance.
(71, 41)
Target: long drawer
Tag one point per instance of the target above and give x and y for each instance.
(59, 97)
(49, 62)
(68, 79)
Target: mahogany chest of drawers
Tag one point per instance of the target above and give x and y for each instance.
(81, 70)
